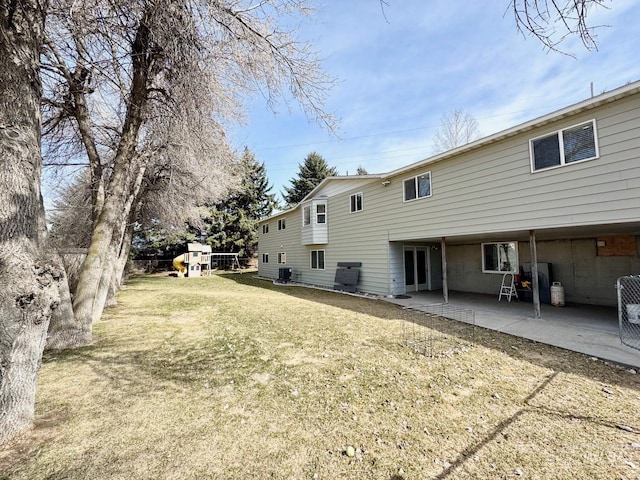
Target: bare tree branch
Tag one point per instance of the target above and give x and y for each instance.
(457, 128)
(553, 21)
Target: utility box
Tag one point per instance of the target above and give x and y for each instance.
(284, 274)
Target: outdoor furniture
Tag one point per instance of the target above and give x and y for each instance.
(347, 276)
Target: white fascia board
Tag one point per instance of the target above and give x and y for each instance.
(326, 180)
(278, 214)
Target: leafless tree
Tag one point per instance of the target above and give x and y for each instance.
(553, 21)
(125, 72)
(456, 128)
(29, 276)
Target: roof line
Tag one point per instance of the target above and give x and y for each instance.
(588, 104)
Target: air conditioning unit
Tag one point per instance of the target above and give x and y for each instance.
(284, 275)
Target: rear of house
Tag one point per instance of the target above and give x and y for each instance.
(567, 183)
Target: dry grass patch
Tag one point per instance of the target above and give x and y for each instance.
(231, 377)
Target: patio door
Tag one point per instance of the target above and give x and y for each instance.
(416, 268)
(422, 269)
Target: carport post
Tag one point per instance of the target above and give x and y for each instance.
(534, 274)
(445, 287)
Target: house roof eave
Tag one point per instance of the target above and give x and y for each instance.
(585, 105)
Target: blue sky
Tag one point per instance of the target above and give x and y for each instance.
(400, 71)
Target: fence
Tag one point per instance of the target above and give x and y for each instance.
(433, 335)
(218, 261)
(629, 310)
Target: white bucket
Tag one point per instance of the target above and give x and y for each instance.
(557, 294)
(633, 312)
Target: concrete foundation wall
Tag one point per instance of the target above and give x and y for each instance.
(586, 277)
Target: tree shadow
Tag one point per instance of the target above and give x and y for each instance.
(143, 371)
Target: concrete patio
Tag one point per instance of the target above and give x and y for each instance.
(587, 329)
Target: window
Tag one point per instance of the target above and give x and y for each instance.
(321, 213)
(281, 224)
(306, 216)
(265, 228)
(195, 254)
(573, 144)
(282, 257)
(356, 202)
(417, 187)
(265, 258)
(500, 257)
(317, 259)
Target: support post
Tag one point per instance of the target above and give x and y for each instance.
(534, 274)
(445, 286)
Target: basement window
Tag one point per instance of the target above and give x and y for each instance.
(317, 259)
(500, 257)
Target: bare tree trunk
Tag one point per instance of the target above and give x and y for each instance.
(123, 259)
(29, 277)
(90, 295)
(92, 290)
(64, 331)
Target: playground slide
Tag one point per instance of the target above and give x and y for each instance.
(178, 264)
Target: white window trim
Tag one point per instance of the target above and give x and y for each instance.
(318, 214)
(515, 268)
(282, 258)
(324, 259)
(282, 223)
(415, 179)
(265, 228)
(265, 258)
(361, 202)
(306, 207)
(561, 143)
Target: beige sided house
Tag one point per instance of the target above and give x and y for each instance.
(564, 188)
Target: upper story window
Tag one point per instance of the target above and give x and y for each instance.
(306, 215)
(355, 202)
(321, 213)
(417, 187)
(281, 224)
(570, 145)
(282, 257)
(500, 257)
(314, 212)
(265, 228)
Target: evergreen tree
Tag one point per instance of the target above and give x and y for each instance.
(312, 172)
(233, 222)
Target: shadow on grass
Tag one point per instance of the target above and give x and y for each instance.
(539, 354)
(147, 370)
(143, 371)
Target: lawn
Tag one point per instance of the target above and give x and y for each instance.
(231, 377)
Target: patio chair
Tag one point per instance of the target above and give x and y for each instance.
(508, 287)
